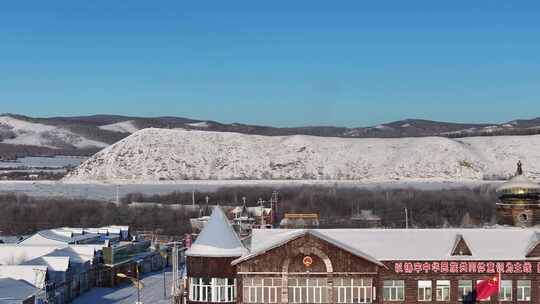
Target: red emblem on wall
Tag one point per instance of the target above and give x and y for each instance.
(308, 261)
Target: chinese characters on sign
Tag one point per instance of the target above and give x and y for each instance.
(466, 267)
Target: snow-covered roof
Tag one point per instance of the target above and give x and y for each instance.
(53, 263)
(253, 211)
(33, 274)
(276, 240)
(12, 254)
(217, 239)
(76, 253)
(59, 235)
(66, 235)
(413, 244)
(519, 182)
(15, 291)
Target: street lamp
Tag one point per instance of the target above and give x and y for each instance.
(136, 283)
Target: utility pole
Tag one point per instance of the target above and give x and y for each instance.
(261, 206)
(275, 199)
(176, 292)
(138, 286)
(406, 219)
(165, 279)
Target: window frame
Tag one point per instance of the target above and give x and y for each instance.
(427, 296)
(394, 288)
(308, 290)
(257, 287)
(503, 291)
(440, 287)
(351, 290)
(522, 289)
(212, 290)
(464, 290)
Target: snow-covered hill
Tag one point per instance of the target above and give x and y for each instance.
(159, 154)
(127, 126)
(22, 132)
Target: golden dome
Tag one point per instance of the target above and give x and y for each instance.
(519, 184)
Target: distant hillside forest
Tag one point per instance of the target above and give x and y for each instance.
(464, 207)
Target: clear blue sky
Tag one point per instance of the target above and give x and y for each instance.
(283, 63)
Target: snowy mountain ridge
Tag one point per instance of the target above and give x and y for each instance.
(153, 154)
(21, 132)
(84, 135)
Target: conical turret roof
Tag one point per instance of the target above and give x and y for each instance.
(217, 239)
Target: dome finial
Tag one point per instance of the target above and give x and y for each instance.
(519, 168)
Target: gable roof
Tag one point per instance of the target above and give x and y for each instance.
(217, 239)
(59, 236)
(66, 235)
(12, 254)
(32, 274)
(15, 290)
(413, 244)
(534, 245)
(53, 263)
(277, 240)
(460, 247)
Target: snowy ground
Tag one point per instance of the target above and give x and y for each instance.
(126, 294)
(107, 191)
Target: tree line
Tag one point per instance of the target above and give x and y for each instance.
(21, 214)
(426, 208)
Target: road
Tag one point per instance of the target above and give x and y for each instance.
(127, 294)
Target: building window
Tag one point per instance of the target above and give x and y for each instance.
(212, 290)
(262, 290)
(353, 290)
(394, 290)
(443, 290)
(505, 294)
(523, 290)
(308, 290)
(464, 288)
(424, 290)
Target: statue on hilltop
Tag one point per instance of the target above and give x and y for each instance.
(519, 168)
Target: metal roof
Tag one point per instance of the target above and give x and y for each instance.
(15, 290)
(66, 236)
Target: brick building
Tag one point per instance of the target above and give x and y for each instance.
(372, 266)
(369, 265)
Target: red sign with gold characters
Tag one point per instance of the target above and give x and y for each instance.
(308, 261)
(467, 267)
